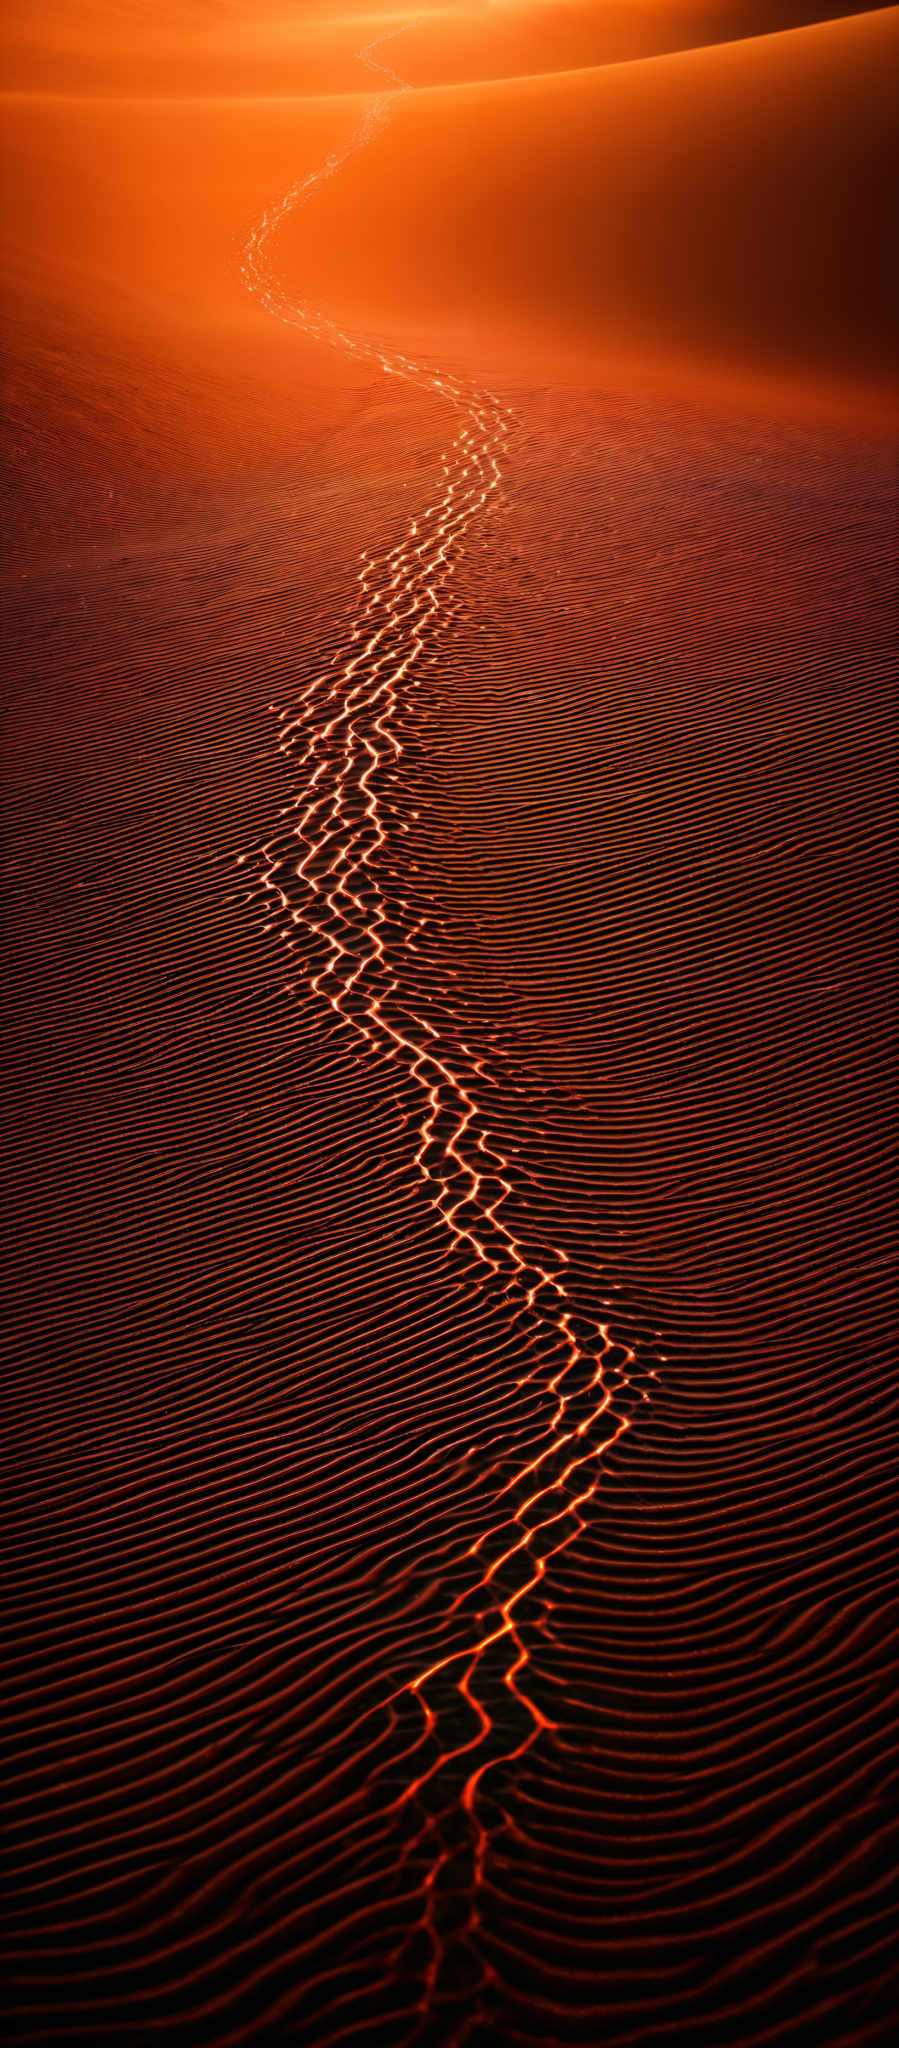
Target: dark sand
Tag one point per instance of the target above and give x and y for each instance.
(636, 880)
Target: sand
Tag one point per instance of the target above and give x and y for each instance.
(579, 217)
(448, 864)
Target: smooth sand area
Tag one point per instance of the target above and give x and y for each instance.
(276, 50)
(718, 215)
(127, 319)
(727, 208)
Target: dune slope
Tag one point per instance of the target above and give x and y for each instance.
(729, 205)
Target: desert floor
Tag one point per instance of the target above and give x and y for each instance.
(448, 853)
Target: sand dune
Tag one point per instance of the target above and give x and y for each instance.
(206, 50)
(126, 315)
(724, 209)
(728, 206)
(459, 45)
(448, 906)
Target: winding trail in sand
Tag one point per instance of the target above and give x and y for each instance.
(332, 884)
(551, 1006)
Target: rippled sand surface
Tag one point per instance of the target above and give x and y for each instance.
(448, 865)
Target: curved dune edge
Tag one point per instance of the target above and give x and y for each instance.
(281, 51)
(725, 208)
(762, 296)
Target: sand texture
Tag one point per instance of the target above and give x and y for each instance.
(449, 618)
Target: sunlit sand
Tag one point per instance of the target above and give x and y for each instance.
(449, 631)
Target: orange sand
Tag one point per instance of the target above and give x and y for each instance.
(728, 207)
(393, 1659)
(719, 213)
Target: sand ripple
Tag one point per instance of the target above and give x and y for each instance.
(451, 1327)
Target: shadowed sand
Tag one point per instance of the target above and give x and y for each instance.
(448, 861)
(724, 207)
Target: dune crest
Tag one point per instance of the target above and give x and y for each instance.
(726, 206)
(202, 49)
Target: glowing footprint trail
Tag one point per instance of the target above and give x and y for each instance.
(328, 885)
